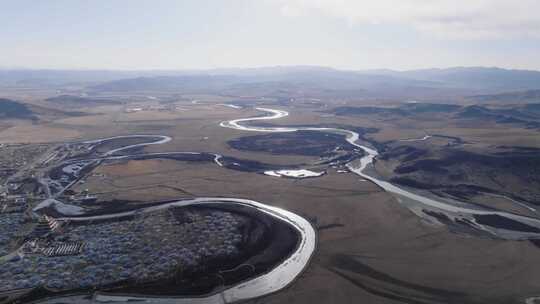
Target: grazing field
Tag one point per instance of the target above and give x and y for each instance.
(24, 132)
(367, 241)
(371, 245)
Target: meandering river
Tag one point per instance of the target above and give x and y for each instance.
(274, 280)
(457, 209)
(281, 276)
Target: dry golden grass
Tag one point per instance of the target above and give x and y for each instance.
(26, 132)
(375, 228)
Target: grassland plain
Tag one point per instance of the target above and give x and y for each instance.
(368, 244)
(370, 248)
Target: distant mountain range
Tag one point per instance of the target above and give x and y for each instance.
(321, 81)
(77, 101)
(517, 97)
(384, 83)
(473, 77)
(12, 109)
(46, 78)
(296, 79)
(527, 115)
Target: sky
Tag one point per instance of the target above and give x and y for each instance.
(202, 34)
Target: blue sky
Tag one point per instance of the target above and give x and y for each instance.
(348, 34)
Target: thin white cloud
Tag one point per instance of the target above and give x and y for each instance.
(447, 18)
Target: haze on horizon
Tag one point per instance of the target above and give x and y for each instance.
(348, 34)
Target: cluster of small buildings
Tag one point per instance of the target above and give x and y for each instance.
(16, 156)
(10, 224)
(141, 108)
(52, 248)
(64, 176)
(75, 168)
(144, 247)
(13, 203)
(69, 150)
(40, 229)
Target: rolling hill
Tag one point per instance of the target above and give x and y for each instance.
(12, 109)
